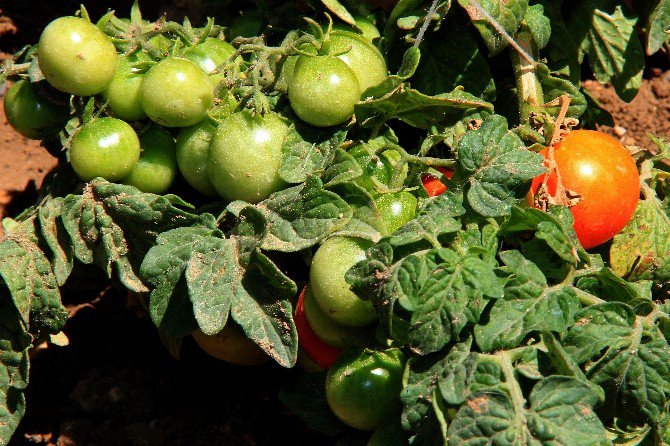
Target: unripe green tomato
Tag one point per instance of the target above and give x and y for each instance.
(156, 169)
(327, 281)
(176, 93)
(209, 55)
(396, 209)
(363, 387)
(327, 329)
(380, 167)
(361, 56)
(123, 92)
(389, 434)
(32, 115)
(247, 24)
(105, 147)
(76, 57)
(245, 156)
(323, 90)
(369, 30)
(193, 155)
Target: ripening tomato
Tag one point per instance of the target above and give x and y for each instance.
(433, 185)
(231, 345)
(600, 169)
(323, 354)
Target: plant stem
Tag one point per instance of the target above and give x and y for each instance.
(518, 400)
(529, 90)
(587, 298)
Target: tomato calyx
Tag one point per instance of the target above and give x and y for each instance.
(563, 196)
(323, 354)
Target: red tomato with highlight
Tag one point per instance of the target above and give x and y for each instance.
(433, 185)
(600, 169)
(324, 355)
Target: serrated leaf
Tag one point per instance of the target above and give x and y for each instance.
(418, 109)
(610, 287)
(528, 306)
(658, 26)
(336, 8)
(629, 359)
(554, 87)
(560, 412)
(454, 295)
(606, 31)
(107, 219)
(562, 52)
(508, 14)
(308, 150)
(496, 164)
(342, 169)
(538, 24)
(54, 235)
(640, 250)
(302, 216)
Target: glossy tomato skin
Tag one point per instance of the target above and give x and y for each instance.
(379, 167)
(105, 147)
(209, 55)
(433, 185)
(76, 57)
(368, 29)
(245, 156)
(396, 209)
(123, 92)
(176, 93)
(327, 281)
(361, 56)
(323, 90)
(602, 171)
(363, 387)
(193, 155)
(325, 328)
(231, 345)
(323, 354)
(32, 115)
(157, 167)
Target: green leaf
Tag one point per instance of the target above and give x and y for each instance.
(538, 24)
(342, 169)
(114, 225)
(451, 58)
(560, 412)
(497, 166)
(640, 250)
(340, 11)
(625, 356)
(418, 109)
(366, 221)
(54, 235)
(307, 399)
(562, 52)
(554, 87)
(302, 216)
(528, 306)
(658, 26)
(606, 31)
(454, 294)
(308, 150)
(610, 287)
(508, 15)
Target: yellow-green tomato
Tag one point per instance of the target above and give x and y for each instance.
(363, 387)
(156, 169)
(361, 56)
(176, 93)
(209, 55)
(326, 328)
(193, 155)
(327, 281)
(389, 434)
(323, 90)
(32, 115)
(396, 209)
(107, 148)
(245, 156)
(368, 29)
(76, 57)
(123, 92)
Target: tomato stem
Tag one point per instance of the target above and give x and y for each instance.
(529, 89)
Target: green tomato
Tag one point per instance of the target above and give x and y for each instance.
(369, 30)
(209, 55)
(76, 57)
(32, 115)
(123, 92)
(245, 156)
(326, 279)
(363, 387)
(247, 24)
(176, 93)
(157, 167)
(193, 155)
(361, 56)
(323, 90)
(327, 329)
(389, 434)
(107, 148)
(381, 167)
(396, 209)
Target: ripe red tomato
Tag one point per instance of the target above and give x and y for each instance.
(433, 185)
(324, 355)
(600, 169)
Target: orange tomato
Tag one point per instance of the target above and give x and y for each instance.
(433, 185)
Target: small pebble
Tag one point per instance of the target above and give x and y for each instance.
(619, 131)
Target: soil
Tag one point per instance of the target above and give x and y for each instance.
(115, 383)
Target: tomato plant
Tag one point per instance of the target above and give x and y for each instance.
(32, 115)
(322, 353)
(107, 148)
(245, 155)
(230, 345)
(382, 169)
(363, 387)
(433, 185)
(366, 26)
(209, 55)
(326, 329)
(156, 169)
(176, 93)
(361, 56)
(396, 209)
(123, 92)
(193, 155)
(602, 172)
(76, 57)
(326, 278)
